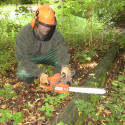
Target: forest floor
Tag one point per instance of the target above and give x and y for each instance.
(29, 100)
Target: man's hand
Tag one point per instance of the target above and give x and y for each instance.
(43, 78)
(66, 70)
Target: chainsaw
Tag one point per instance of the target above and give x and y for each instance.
(60, 84)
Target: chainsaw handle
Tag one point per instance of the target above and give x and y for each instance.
(69, 77)
(72, 73)
(63, 75)
(46, 86)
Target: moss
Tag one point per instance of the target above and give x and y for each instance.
(93, 98)
(95, 82)
(81, 119)
(102, 80)
(92, 84)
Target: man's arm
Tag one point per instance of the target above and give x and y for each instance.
(24, 60)
(62, 53)
(61, 50)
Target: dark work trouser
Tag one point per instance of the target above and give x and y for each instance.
(49, 59)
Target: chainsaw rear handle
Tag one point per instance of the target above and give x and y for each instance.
(46, 86)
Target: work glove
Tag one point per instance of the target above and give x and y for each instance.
(43, 78)
(65, 70)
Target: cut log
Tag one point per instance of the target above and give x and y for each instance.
(97, 78)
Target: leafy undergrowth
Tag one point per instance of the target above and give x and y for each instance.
(36, 106)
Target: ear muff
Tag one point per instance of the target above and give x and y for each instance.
(33, 25)
(34, 21)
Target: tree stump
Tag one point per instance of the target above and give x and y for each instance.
(97, 78)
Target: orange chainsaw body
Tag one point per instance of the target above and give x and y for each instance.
(60, 84)
(60, 87)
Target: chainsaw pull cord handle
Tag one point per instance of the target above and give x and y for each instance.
(63, 75)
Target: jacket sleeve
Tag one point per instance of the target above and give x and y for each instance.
(23, 58)
(61, 50)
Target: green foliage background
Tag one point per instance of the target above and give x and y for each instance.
(82, 22)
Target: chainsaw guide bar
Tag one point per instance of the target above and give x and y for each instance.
(87, 90)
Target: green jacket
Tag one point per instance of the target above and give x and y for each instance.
(29, 45)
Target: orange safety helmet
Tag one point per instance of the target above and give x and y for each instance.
(45, 16)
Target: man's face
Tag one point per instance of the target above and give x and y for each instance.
(43, 30)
